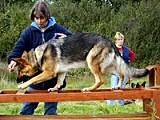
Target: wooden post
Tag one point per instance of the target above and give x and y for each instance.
(154, 76)
(151, 77)
(154, 80)
(147, 106)
(156, 98)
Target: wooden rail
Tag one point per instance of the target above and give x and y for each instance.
(75, 95)
(141, 116)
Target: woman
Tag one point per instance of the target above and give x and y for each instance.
(42, 29)
(128, 55)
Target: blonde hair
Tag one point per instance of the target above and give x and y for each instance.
(118, 35)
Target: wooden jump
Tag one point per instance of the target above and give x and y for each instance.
(151, 94)
(148, 95)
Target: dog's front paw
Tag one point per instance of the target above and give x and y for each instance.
(86, 89)
(22, 86)
(52, 89)
(56, 88)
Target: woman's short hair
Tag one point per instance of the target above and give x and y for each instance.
(118, 35)
(40, 8)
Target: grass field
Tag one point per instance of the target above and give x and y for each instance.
(75, 80)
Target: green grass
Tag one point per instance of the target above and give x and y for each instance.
(96, 108)
(78, 81)
(76, 108)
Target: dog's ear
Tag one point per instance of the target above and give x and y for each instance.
(133, 85)
(143, 84)
(21, 62)
(138, 85)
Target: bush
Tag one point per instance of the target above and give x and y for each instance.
(12, 22)
(138, 21)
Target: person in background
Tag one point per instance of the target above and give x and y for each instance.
(128, 55)
(42, 29)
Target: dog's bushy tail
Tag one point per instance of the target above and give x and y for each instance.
(137, 73)
(124, 68)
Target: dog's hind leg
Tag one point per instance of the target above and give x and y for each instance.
(98, 82)
(94, 65)
(61, 77)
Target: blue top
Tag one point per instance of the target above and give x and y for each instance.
(32, 37)
(126, 55)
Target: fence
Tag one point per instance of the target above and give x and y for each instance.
(150, 97)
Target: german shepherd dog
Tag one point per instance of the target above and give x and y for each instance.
(57, 57)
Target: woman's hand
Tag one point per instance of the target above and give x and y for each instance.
(11, 66)
(60, 35)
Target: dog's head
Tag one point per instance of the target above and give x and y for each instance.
(25, 67)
